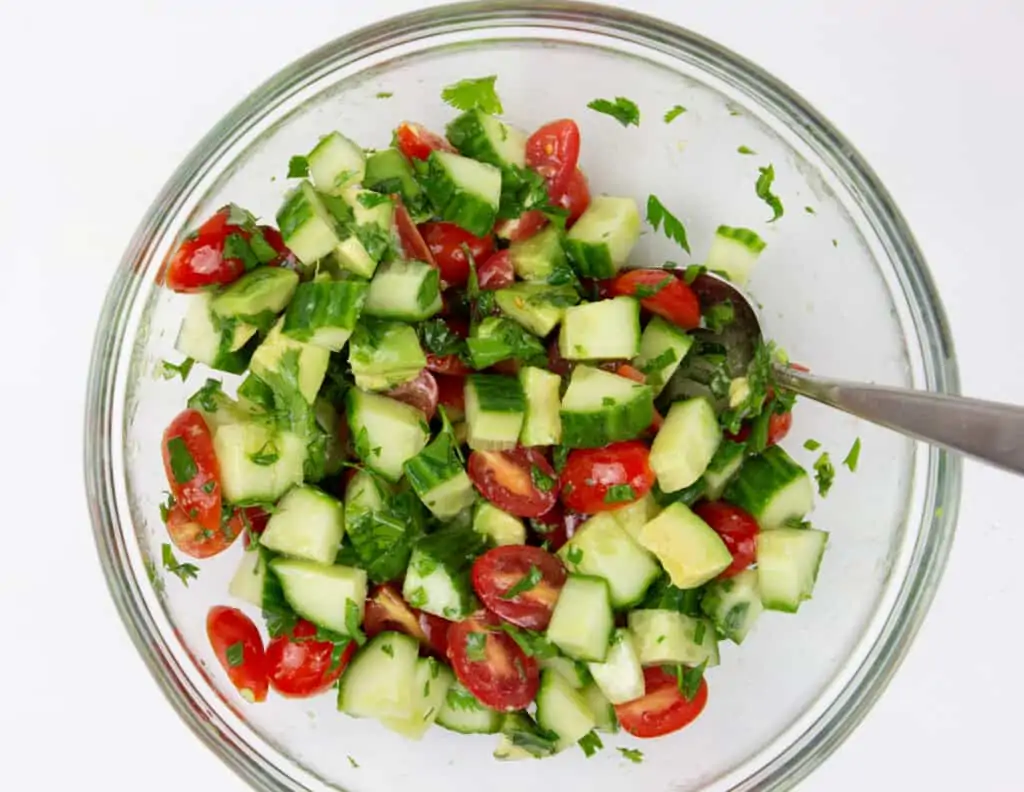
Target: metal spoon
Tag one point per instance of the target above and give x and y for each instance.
(988, 431)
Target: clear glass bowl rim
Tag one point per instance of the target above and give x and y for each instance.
(939, 360)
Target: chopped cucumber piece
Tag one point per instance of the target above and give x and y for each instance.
(217, 407)
(495, 409)
(542, 424)
(562, 710)
(437, 476)
(688, 548)
(787, 566)
(668, 637)
(384, 354)
(437, 580)
(601, 548)
(582, 622)
(324, 313)
(295, 361)
(405, 290)
(463, 713)
(497, 338)
(389, 172)
(307, 523)
(541, 257)
(620, 677)
(463, 191)
(636, 515)
(500, 527)
(685, 444)
(537, 307)
(485, 138)
(574, 672)
(523, 738)
(773, 488)
(250, 577)
(662, 348)
(236, 444)
(215, 342)
(336, 163)
(370, 208)
(607, 329)
(603, 711)
(265, 290)
(430, 688)
(386, 433)
(725, 464)
(382, 523)
(734, 251)
(734, 604)
(324, 595)
(601, 240)
(307, 227)
(380, 681)
(601, 408)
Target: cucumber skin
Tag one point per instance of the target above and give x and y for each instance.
(760, 479)
(608, 425)
(324, 304)
(469, 212)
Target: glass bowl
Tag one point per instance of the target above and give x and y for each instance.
(844, 290)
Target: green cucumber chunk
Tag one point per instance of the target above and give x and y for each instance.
(324, 313)
(218, 343)
(599, 408)
(389, 172)
(386, 433)
(537, 307)
(687, 547)
(384, 354)
(787, 566)
(463, 191)
(662, 349)
(236, 445)
(602, 330)
(685, 444)
(307, 227)
(773, 488)
(336, 163)
(296, 361)
(620, 676)
(484, 138)
(324, 595)
(601, 240)
(562, 709)
(307, 523)
(668, 637)
(430, 689)
(406, 290)
(734, 604)
(438, 578)
(265, 290)
(495, 411)
(542, 423)
(541, 257)
(734, 251)
(436, 474)
(463, 713)
(498, 526)
(724, 465)
(582, 622)
(380, 682)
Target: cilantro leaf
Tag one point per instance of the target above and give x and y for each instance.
(208, 397)
(632, 754)
(235, 654)
(824, 474)
(476, 647)
(667, 357)
(439, 339)
(689, 678)
(185, 572)
(853, 456)
(371, 199)
(673, 113)
(622, 110)
(812, 445)
(645, 290)
(745, 150)
(720, 315)
(298, 167)
(237, 247)
(809, 210)
(183, 466)
(474, 93)
(694, 271)
(541, 480)
(620, 493)
(526, 583)
(353, 762)
(674, 229)
(590, 743)
(533, 644)
(170, 371)
(267, 455)
(574, 555)
(384, 94)
(559, 457)
(763, 188)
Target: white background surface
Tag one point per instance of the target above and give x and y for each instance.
(101, 102)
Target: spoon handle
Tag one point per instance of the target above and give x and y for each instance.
(988, 431)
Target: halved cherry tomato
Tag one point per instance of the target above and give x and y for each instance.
(253, 518)
(491, 665)
(553, 151)
(535, 575)
(416, 141)
(448, 245)
(556, 363)
(192, 469)
(738, 530)
(451, 364)
(451, 393)
(629, 372)
(663, 708)
(779, 425)
(386, 610)
(576, 197)
(558, 526)
(496, 272)
(522, 227)
(602, 479)
(420, 393)
(299, 666)
(409, 237)
(197, 541)
(515, 480)
(285, 257)
(670, 297)
(237, 644)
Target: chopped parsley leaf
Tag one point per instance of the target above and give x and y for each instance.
(559, 457)
(298, 167)
(622, 110)
(620, 493)
(590, 743)
(763, 188)
(533, 644)
(473, 93)
(673, 113)
(835, 243)
(658, 362)
(632, 754)
(267, 455)
(574, 555)
(674, 229)
(526, 583)
(853, 456)
(824, 474)
(541, 480)
(809, 210)
(384, 94)
(166, 506)
(645, 290)
(745, 150)
(720, 315)
(235, 654)
(694, 271)
(170, 371)
(812, 445)
(183, 466)
(185, 572)
(237, 247)
(476, 647)
(689, 680)
(353, 619)
(353, 762)
(388, 649)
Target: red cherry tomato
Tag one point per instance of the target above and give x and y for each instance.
(576, 197)
(237, 644)
(491, 665)
(508, 479)
(553, 151)
(420, 393)
(549, 528)
(663, 708)
(416, 141)
(522, 227)
(629, 372)
(602, 479)
(448, 245)
(253, 518)
(386, 610)
(285, 257)
(496, 272)
(502, 569)
(409, 237)
(451, 393)
(192, 470)
(670, 297)
(556, 363)
(299, 667)
(738, 530)
(195, 540)
(200, 262)
(779, 425)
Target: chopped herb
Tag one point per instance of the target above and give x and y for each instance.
(574, 556)
(418, 597)
(170, 371)
(279, 622)
(166, 507)
(674, 229)
(264, 250)
(645, 290)
(622, 110)
(559, 457)
(673, 113)
(298, 167)
(698, 632)
(183, 466)
(542, 480)
(267, 455)
(620, 493)
(353, 619)
(210, 486)
(154, 576)
(632, 754)
(526, 583)
(824, 473)
(474, 93)
(796, 522)
(658, 362)
(371, 199)
(607, 401)
(719, 316)
(853, 457)
(745, 150)
(426, 688)
(763, 188)
(812, 445)
(476, 647)
(689, 681)
(591, 743)
(208, 397)
(835, 243)
(533, 644)
(185, 572)
(809, 210)
(384, 94)
(337, 653)
(353, 762)
(235, 654)
(694, 271)
(439, 339)
(237, 247)
(388, 649)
